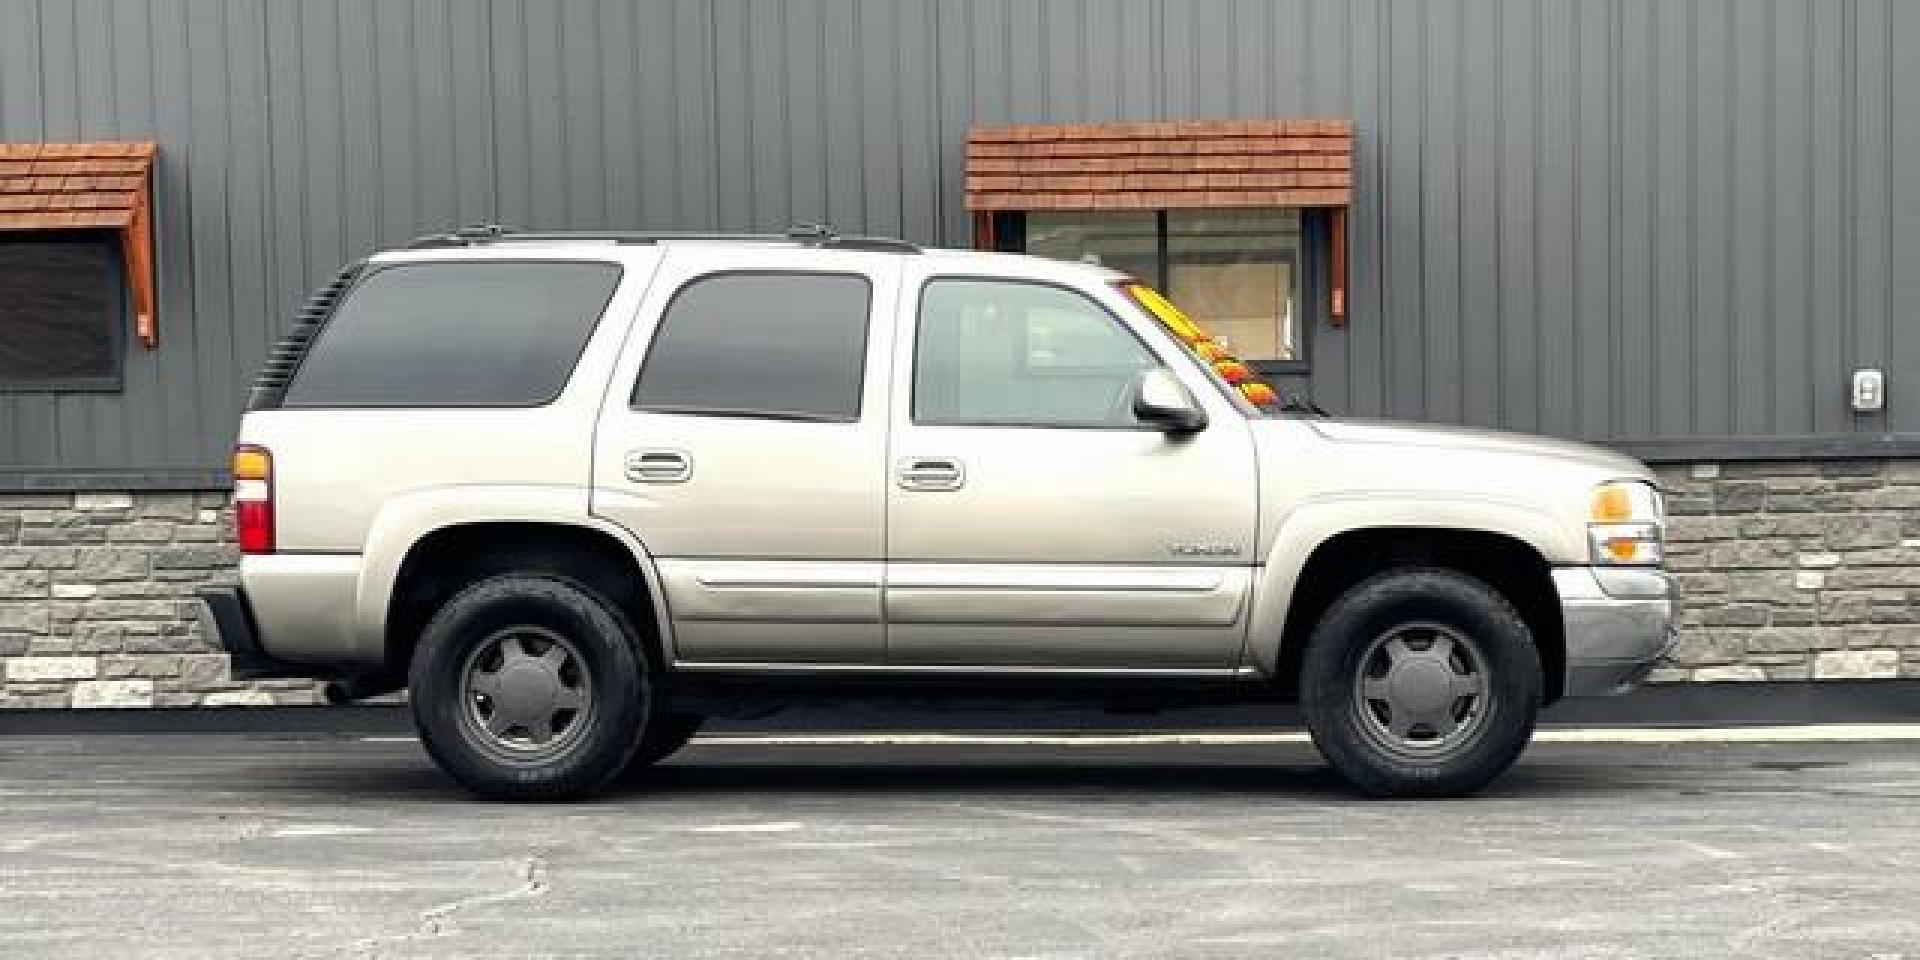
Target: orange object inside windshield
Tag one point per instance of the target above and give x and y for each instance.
(1214, 353)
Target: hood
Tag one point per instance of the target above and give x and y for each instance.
(1432, 435)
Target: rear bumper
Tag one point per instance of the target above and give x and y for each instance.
(227, 619)
(1619, 622)
(306, 609)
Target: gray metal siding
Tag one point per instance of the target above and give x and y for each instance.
(1625, 220)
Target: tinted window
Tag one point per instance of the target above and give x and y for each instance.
(1004, 352)
(760, 344)
(60, 312)
(456, 335)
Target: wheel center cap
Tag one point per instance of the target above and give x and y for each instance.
(1420, 686)
(526, 691)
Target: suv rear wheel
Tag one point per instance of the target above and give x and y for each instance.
(1421, 682)
(530, 687)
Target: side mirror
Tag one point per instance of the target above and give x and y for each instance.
(1160, 400)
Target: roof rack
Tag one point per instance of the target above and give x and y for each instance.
(810, 235)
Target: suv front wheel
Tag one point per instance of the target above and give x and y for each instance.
(1421, 682)
(530, 687)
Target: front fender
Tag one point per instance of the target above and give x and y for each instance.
(1321, 518)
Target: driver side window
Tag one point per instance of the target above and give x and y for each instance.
(1014, 353)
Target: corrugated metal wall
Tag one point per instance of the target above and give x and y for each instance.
(1617, 220)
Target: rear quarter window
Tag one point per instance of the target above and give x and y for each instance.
(496, 334)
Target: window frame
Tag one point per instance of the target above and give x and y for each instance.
(666, 311)
(118, 309)
(1314, 255)
(376, 268)
(913, 366)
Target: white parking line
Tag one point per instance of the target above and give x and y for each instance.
(1806, 733)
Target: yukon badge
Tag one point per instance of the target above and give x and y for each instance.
(1204, 549)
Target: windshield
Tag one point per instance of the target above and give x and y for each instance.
(1214, 357)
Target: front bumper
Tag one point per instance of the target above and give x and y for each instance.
(1619, 622)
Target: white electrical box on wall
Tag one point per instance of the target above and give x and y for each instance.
(1869, 391)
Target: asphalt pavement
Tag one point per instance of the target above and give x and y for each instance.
(209, 845)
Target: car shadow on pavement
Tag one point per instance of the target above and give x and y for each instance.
(828, 778)
(1185, 779)
(826, 772)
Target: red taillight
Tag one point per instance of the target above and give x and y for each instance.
(253, 498)
(253, 519)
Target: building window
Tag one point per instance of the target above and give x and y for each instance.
(1126, 240)
(1243, 222)
(62, 308)
(1244, 274)
(1238, 271)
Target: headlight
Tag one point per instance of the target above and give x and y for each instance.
(1625, 523)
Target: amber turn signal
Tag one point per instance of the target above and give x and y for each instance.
(1612, 505)
(251, 463)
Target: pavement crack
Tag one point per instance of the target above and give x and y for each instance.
(437, 920)
(434, 921)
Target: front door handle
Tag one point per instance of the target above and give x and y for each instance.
(930, 473)
(659, 465)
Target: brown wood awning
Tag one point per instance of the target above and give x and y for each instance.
(1161, 166)
(1174, 165)
(87, 186)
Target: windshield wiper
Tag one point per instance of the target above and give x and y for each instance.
(1300, 403)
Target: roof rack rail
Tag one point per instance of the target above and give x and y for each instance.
(810, 234)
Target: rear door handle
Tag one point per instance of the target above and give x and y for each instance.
(930, 473)
(659, 466)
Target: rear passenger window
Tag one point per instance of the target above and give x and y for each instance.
(783, 345)
(456, 335)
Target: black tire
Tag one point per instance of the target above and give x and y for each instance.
(1353, 680)
(607, 670)
(664, 738)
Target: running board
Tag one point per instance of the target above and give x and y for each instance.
(959, 672)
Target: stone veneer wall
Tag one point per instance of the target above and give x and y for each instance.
(97, 606)
(1793, 571)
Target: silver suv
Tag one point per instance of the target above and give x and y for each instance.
(580, 492)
